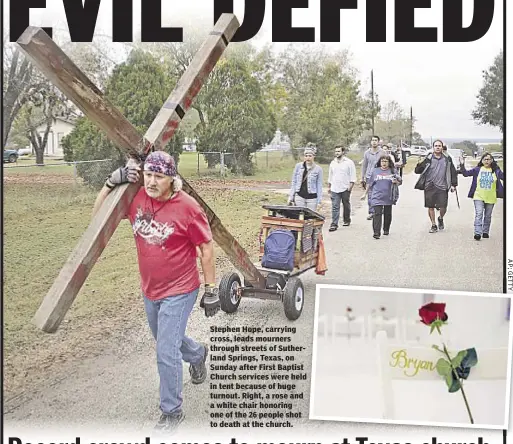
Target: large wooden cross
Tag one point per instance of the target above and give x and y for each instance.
(64, 74)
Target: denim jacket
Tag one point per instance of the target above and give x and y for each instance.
(314, 181)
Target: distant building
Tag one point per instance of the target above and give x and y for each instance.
(280, 142)
(60, 128)
(189, 145)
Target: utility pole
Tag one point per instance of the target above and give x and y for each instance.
(372, 93)
(411, 125)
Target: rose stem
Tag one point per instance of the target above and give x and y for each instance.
(459, 379)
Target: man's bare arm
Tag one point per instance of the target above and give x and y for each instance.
(207, 260)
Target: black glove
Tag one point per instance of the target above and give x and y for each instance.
(128, 173)
(210, 301)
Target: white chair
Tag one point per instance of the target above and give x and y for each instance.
(409, 326)
(352, 326)
(393, 364)
(378, 322)
(322, 321)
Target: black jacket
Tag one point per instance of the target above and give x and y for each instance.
(450, 172)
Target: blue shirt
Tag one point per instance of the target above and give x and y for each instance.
(380, 183)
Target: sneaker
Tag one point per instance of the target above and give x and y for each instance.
(477, 236)
(169, 423)
(370, 217)
(434, 229)
(441, 225)
(333, 228)
(346, 224)
(386, 233)
(198, 372)
(376, 236)
(486, 236)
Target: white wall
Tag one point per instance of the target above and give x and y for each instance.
(476, 320)
(59, 129)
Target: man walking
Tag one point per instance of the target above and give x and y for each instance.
(370, 160)
(170, 229)
(341, 180)
(438, 175)
(402, 159)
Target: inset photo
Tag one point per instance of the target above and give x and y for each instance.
(417, 357)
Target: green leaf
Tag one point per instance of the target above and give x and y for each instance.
(448, 380)
(454, 384)
(456, 361)
(470, 359)
(433, 326)
(437, 348)
(443, 367)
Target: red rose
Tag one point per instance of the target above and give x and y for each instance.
(431, 312)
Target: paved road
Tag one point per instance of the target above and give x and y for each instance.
(120, 388)
(411, 257)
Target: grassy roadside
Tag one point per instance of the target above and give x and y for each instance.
(269, 167)
(39, 235)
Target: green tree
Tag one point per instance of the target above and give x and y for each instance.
(138, 88)
(490, 100)
(324, 104)
(227, 114)
(236, 117)
(417, 138)
(31, 102)
(393, 125)
(18, 85)
(467, 146)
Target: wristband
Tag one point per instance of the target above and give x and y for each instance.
(210, 285)
(109, 184)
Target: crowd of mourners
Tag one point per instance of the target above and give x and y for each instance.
(382, 175)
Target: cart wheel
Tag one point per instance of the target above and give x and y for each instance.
(293, 298)
(228, 287)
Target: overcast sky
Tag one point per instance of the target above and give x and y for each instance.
(439, 80)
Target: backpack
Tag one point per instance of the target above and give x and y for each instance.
(279, 249)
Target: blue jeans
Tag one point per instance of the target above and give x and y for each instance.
(311, 204)
(167, 319)
(483, 218)
(336, 198)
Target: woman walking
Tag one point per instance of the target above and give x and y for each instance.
(486, 187)
(384, 192)
(306, 187)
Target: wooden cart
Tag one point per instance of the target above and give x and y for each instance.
(284, 286)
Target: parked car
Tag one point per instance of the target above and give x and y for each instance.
(456, 155)
(497, 155)
(407, 151)
(10, 156)
(24, 152)
(417, 150)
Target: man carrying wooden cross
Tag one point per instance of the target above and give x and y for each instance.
(169, 226)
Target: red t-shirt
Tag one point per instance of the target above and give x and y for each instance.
(166, 235)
